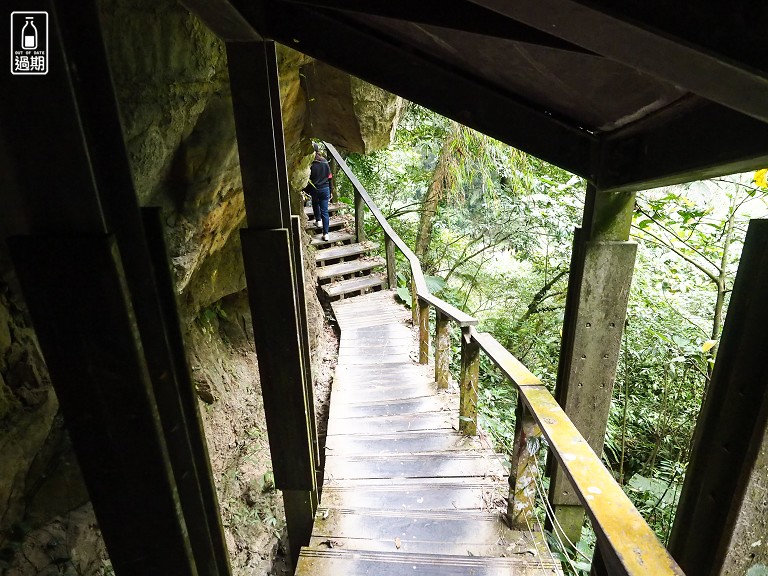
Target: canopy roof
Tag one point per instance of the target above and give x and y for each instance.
(653, 92)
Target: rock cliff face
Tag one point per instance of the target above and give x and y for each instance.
(172, 85)
(345, 110)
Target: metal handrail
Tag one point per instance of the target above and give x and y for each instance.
(627, 544)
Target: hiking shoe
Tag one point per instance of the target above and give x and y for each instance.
(325, 237)
(318, 223)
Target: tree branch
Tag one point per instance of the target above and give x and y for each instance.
(675, 235)
(707, 273)
(539, 297)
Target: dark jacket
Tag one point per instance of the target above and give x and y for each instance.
(319, 175)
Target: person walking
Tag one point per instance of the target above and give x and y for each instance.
(319, 189)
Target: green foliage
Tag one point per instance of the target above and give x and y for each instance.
(575, 561)
(500, 248)
(267, 482)
(208, 318)
(496, 404)
(656, 497)
(405, 295)
(435, 284)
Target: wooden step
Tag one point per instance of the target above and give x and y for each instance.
(518, 546)
(378, 331)
(354, 285)
(448, 465)
(434, 421)
(347, 251)
(332, 207)
(464, 495)
(334, 222)
(333, 237)
(381, 408)
(346, 268)
(400, 443)
(371, 341)
(381, 392)
(337, 561)
(379, 370)
(384, 347)
(410, 526)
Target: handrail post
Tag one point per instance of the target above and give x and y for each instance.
(359, 216)
(423, 332)
(389, 247)
(470, 372)
(414, 302)
(524, 469)
(442, 349)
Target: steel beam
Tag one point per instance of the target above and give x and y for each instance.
(690, 141)
(80, 304)
(456, 15)
(420, 78)
(249, 71)
(273, 270)
(673, 56)
(721, 521)
(306, 359)
(270, 278)
(187, 447)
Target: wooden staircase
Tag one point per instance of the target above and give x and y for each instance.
(404, 492)
(345, 267)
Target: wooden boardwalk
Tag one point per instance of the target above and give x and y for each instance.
(404, 493)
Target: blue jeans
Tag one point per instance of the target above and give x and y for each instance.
(320, 198)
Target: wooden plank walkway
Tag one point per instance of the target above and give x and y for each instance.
(404, 493)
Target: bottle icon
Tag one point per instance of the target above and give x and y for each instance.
(29, 35)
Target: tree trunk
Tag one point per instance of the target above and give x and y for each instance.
(440, 183)
(717, 321)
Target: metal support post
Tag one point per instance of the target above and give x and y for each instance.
(722, 517)
(275, 291)
(104, 311)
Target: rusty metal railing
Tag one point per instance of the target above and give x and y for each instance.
(627, 544)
